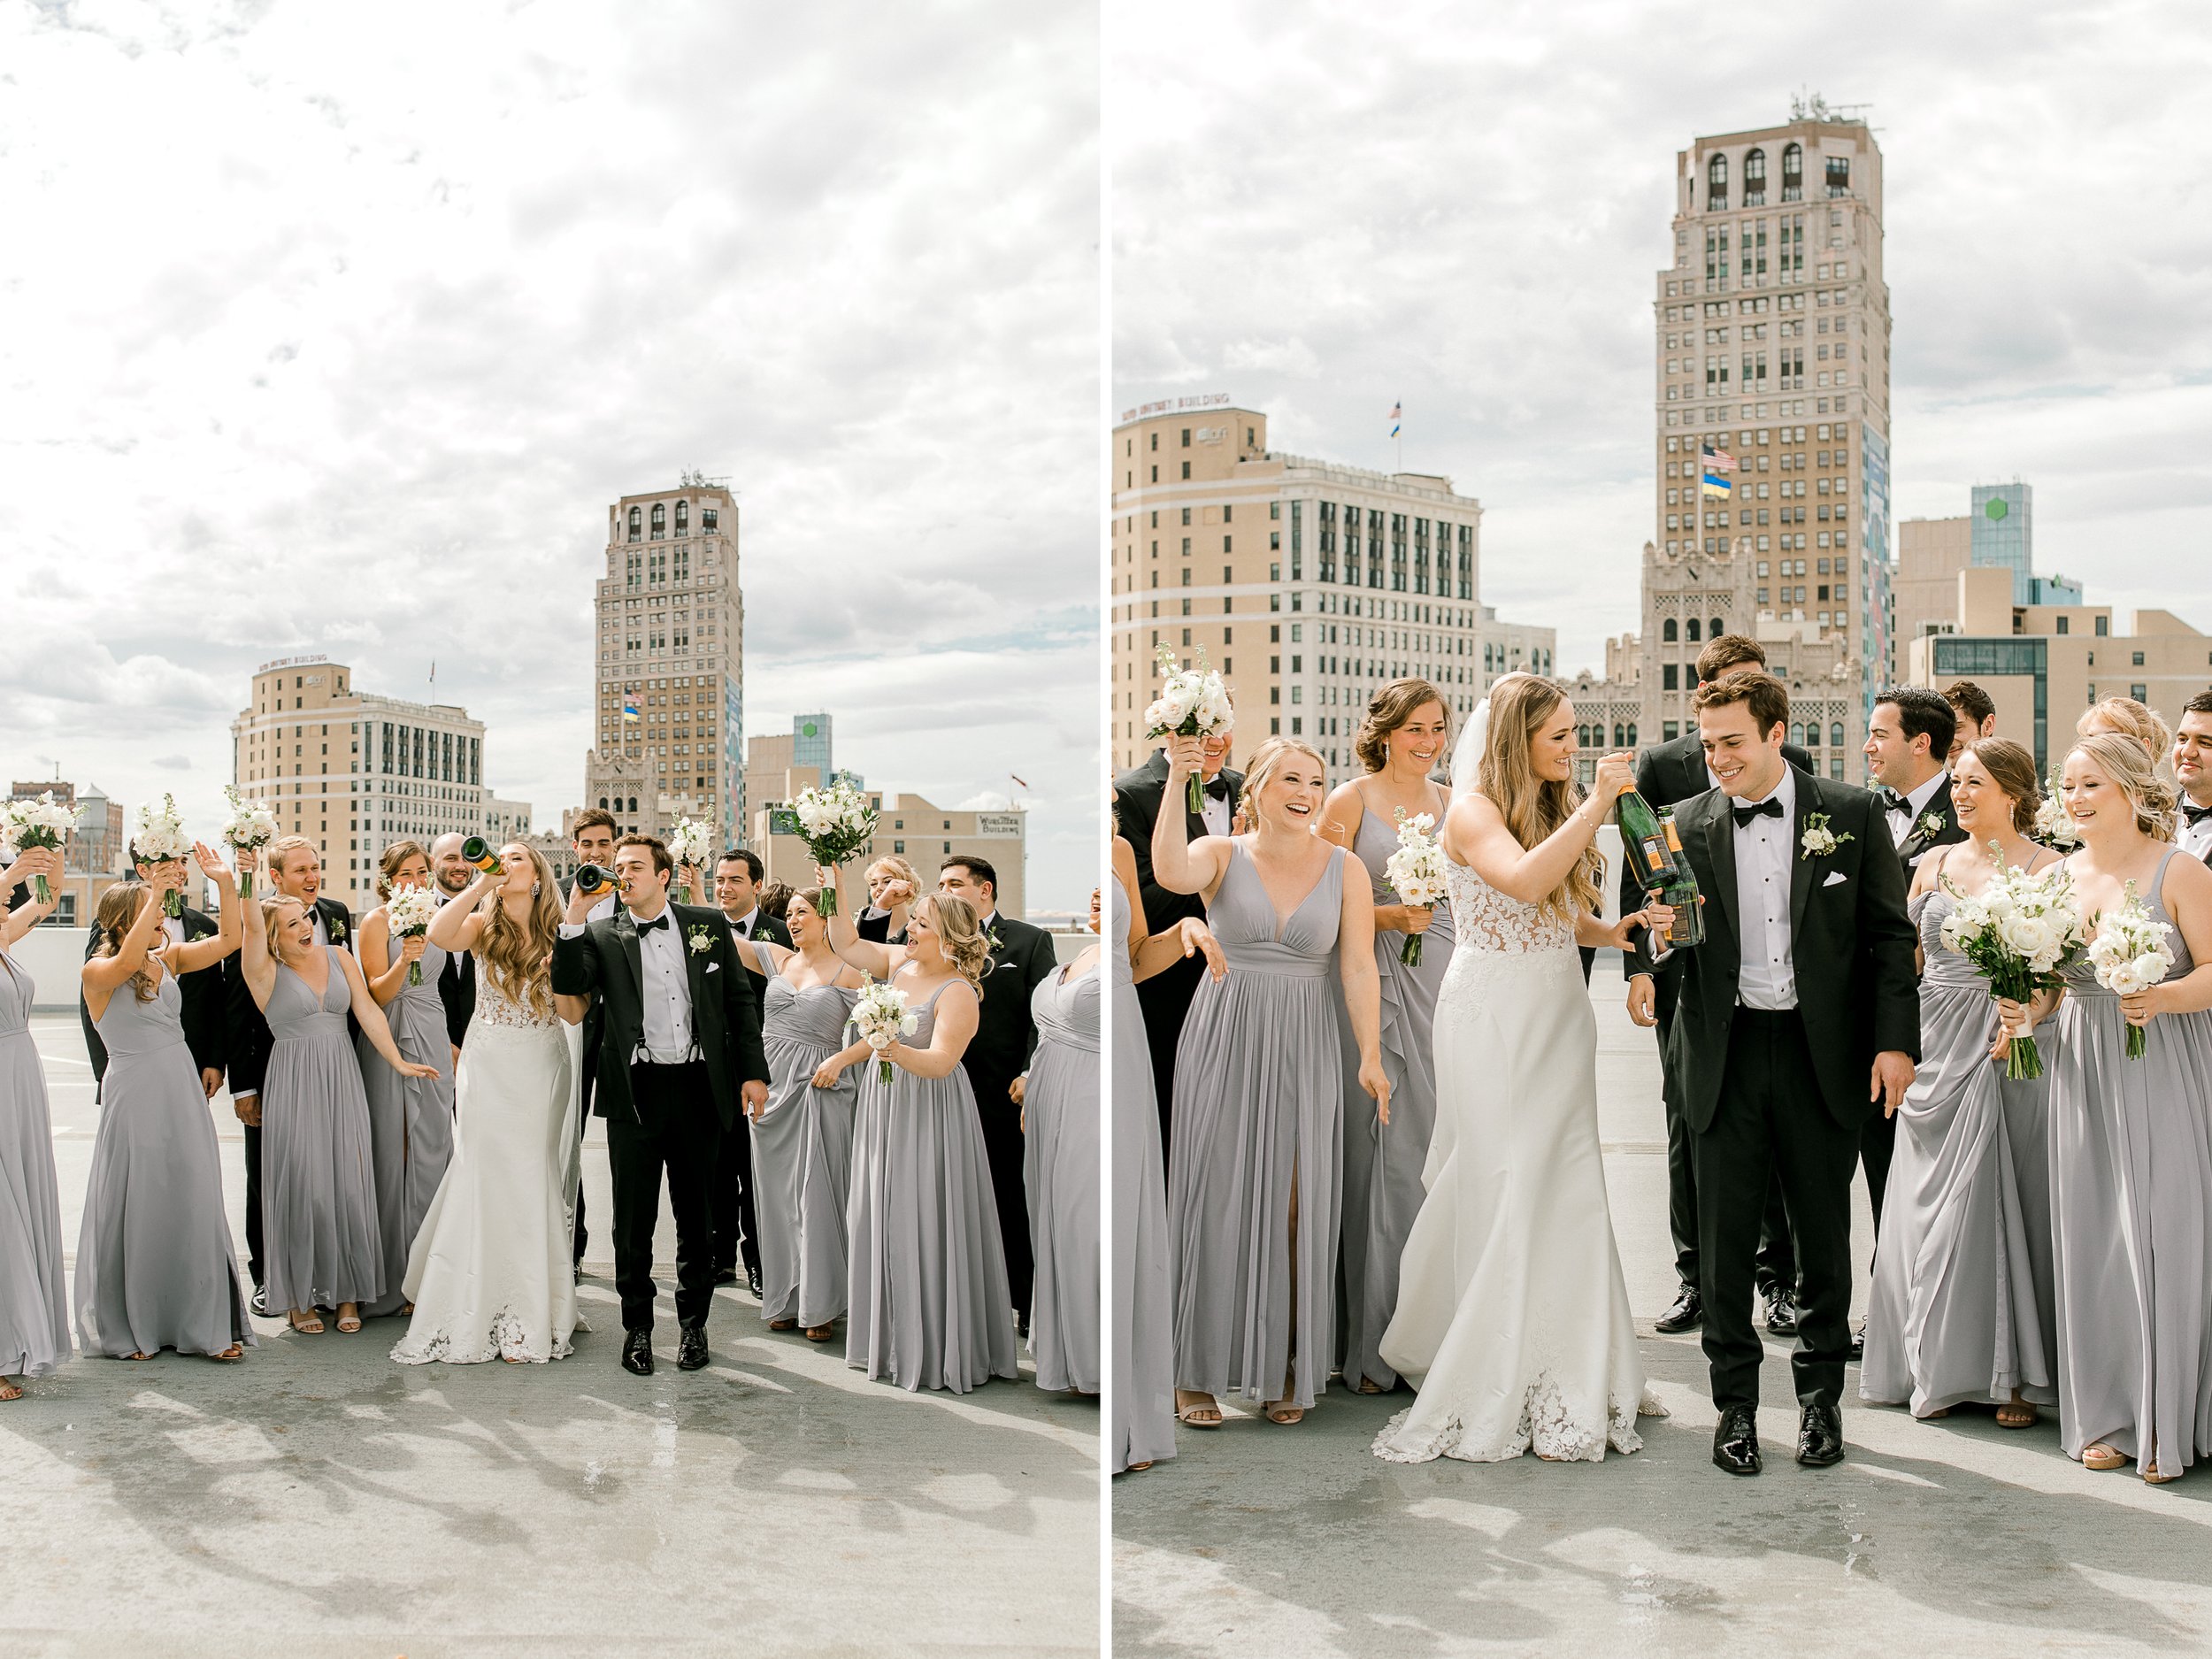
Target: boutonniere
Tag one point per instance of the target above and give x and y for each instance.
(701, 939)
(1819, 840)
(1931, 825)
(993, 941)
(337, 931)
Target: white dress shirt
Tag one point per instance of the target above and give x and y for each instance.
(744, 925)
(2195, 839)
(665, 994)
(1767, 977)
(602, 907)
(1900, 823)
(1217, 812)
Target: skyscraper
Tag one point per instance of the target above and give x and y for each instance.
(669, 723)
(2003, 533)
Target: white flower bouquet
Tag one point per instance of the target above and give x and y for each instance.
(158, 836)
(1194, 703)
(2053, 824)
(1416, 870)
(411, 911)
(690, 841)
(880, 1018)
(44, 822)
(2130, 955)
(835, 823)
(251, 826)
(2019, 932)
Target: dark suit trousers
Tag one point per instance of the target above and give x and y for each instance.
(675, 1129)
(735, 1232)
(1002, 1144)
(1166, 1000)
(1770, 1121)
(1877, 1142)
(253, 1203)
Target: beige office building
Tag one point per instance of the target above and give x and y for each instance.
(917, 829)
(1931, 554)
(1310, 585)
(669, 651)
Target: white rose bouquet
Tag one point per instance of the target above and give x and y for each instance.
(1194, 703)
(2019, 932)
(411, 911)
(44, 822)
(159, 835)
(835, 823)
(2130, 955)
(880, 1018)
(690, 841)
(251, 826)
(2053, 824)
(1416, 870)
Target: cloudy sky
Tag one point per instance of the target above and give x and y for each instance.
(1323, 209)
(338, 329)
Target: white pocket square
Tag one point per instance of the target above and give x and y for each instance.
(1836, 879)
(716, 967)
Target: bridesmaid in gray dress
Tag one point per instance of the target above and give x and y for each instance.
(320, 1234)
(1962, 1309)
(410, 1119)
(802, 1141)
(34, 1301)
(1253, 1192)
(929, 1303)
(1406, 734)
(1059, 1096)
(2130, 1169)
(155, 1267)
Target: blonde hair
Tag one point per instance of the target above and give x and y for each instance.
(2128, 718)
(959, 935)
(2129, 764)
(1392, 707)
(269, 908)
(1534, 808)
(116, 913)
(283, 846)
(391, 861)
(518, 957)
(897, 866)
(1266, 761)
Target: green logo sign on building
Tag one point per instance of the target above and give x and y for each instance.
(1996, 508)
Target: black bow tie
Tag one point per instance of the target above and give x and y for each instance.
(2194, 813)
(1217, 786)
(1891, 801)
(646, 927)
(1771, 807)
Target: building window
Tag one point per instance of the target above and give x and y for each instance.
(2139, 660)
(2102, 626)
(1670, 678)
(635, 522)
(2062, 621)
(660, 520)
(683, 518)
(1668, 632)
(1716, 183)
(1838, 175)
(1835, 733)
(1754, 178)
(1713, 629)
(1693, 631)
(1792, 171)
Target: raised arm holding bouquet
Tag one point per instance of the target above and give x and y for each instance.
(251, 826)
(37, 825)
(158, 838)
(1194, 703)
(837, 823)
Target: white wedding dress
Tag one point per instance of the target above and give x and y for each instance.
(1512, 1319)
(492, 1272)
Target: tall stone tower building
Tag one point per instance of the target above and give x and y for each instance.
(669, 724)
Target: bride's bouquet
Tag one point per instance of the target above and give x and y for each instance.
(1416, 870)
(2019, 932)
(251, 826)
(2054, 826)
(44, 822)
(411, 911)
(159, 835)
(1194, 703)
(880, 1015)
(2130, 955)
(690, 841)
(835, 823)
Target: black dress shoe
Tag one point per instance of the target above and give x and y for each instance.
(637, 1353)
(752, 1281)
(1820, 1437)
(1687, 1313)
(1858, 1343)
(1736, 1441)
(691, 1347)
(725, 1276)
(260, 1304)
(1781, 1312)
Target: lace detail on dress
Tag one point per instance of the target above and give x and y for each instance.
(1484, 920)
(1547, 1425)
(507, 1338)
(494, 1007)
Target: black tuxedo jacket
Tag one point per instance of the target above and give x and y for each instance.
(1668, 774)
(875, 925)
(201, 1007)
(604, 962)
(1850, 944)
(246, 1028)
(1918, 839)
(766, 926)
(1140, 790)
(456, 990)
(595, 1017)
(1005, 1033)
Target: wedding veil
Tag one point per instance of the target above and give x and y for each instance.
(1467, 754)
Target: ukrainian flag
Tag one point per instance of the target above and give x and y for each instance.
(629, 710)
(1715, 466)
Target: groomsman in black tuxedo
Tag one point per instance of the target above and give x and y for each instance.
(891, 883)
(1668, 774)
(1021, 958)
(2193, 771)
(737, 874)
(1797, 1019)
(1974, 712)
(295, 870)
(591, 837)
(202, 992)
(680, 1054)
(457, 980)
(1165, 997)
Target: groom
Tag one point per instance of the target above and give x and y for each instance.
(1797, 1019)
(679, 1047)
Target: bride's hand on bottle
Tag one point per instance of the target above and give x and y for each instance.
(1615, 777)
(1378, 1087)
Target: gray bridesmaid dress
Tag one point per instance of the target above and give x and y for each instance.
(34, 1299)
(155, 1266)
(1060, 1173)
(803, 1150)
(320, 1236)
(411, 1118)
(1961, 1307)
(930, 1306)
(1259, 1105)
(2131, 1199)
(1382, 1167)
(1144, 1342)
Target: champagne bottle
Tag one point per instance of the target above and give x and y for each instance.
(1653, 859)
(478, 851)
(1688, 926)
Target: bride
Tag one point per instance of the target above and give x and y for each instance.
(1512, 1319)
(491, 1272)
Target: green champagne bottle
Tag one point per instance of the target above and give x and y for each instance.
(1688, 926)
(1653, 861)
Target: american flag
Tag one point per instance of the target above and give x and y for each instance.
(1397, 411)
(1715, 465)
